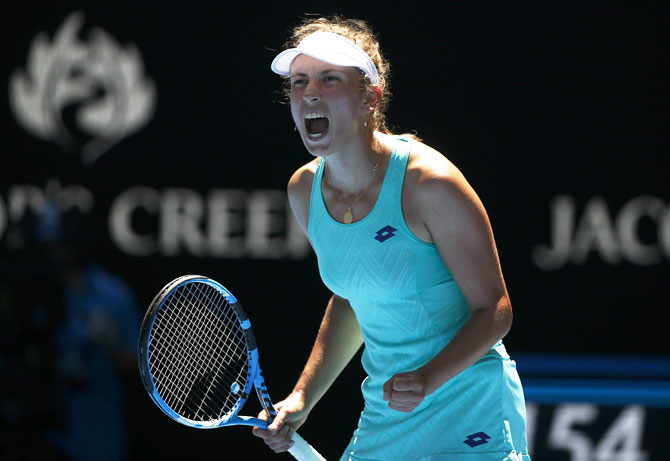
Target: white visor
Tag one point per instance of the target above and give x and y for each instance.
(327, 47)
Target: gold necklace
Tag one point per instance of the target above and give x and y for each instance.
(349, 214)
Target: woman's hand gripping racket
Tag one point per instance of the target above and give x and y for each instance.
(198, 358)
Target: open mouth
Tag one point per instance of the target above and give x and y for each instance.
(316, 124)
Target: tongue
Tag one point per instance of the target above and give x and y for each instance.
(318, 125)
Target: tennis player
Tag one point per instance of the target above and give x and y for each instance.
(406, 247)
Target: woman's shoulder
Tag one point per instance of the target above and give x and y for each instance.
(437, 194)
(433, 181)
(299, 190)
(427, 166)
(301, 180)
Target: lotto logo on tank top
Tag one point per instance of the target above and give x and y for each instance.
(385, 233)
(479, 438)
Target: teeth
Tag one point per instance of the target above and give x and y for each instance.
(313, 116)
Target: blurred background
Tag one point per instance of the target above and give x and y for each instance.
(146, 140)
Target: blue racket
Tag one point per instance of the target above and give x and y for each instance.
(198, 359)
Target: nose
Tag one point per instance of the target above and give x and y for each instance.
(312, 93)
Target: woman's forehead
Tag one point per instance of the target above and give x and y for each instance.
(304, 64)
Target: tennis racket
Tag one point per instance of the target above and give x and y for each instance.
(198, 359)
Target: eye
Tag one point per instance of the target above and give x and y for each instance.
(298, 83)
(330, 79)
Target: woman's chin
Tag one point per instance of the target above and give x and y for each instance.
(316, 144)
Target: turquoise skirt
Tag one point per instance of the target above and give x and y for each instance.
(479, 414)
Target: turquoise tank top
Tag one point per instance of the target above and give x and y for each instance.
(408, 307)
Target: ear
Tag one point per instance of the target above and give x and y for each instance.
(371, 99)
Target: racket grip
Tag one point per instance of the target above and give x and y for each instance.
(303, 451)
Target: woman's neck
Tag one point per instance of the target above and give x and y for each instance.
(350, 170)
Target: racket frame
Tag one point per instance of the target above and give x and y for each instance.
(254, 374)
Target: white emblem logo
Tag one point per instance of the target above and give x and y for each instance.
(84, 96)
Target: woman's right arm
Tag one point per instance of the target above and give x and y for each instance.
(338, 340)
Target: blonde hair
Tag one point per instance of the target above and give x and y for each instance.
(361, 34)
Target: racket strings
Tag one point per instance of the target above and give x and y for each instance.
(200, 338)
(223, 397)
(235, 356)
(204, 391)
(199, 384)
(182, 380)
(198, 353)
(175, 377)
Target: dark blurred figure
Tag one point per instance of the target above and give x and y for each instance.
(30, 312)
(94, 341)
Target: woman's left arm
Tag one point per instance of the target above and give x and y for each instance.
(453, 216)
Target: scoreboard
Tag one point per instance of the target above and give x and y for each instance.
(596, 408)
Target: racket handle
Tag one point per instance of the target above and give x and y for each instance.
(303, 451)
